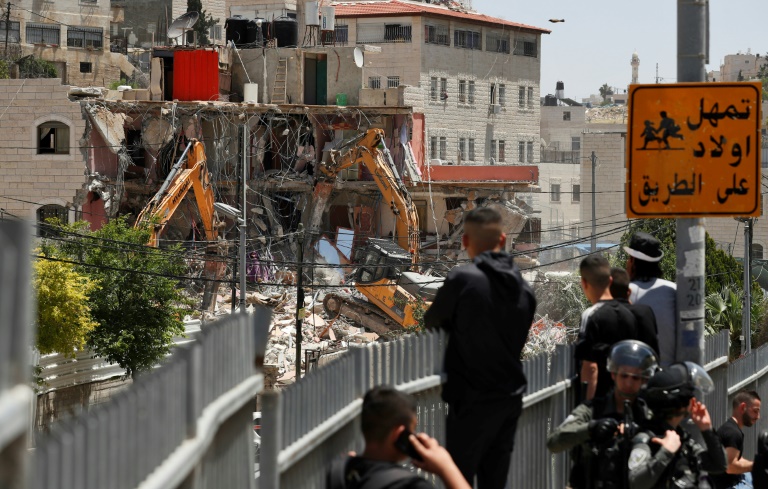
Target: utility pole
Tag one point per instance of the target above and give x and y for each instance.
(7, 26)
(243, 222)
(594, 211)
(692, 54)
(746, 315)
(299, 300)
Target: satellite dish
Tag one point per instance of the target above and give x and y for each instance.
(182, 24)
(358, 57)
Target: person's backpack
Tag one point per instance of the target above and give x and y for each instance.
(374, 479)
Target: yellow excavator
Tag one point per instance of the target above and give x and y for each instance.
(189, 173)
(383, 275)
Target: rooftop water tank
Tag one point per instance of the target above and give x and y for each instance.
(235, 28)
(286, 32)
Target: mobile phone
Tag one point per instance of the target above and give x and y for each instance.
(403, 443)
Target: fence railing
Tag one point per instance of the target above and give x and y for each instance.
(310, 423)
(16, 395)
(188, 422)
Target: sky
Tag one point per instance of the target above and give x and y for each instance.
(595, 43)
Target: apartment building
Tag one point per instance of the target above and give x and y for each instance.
(72, 34)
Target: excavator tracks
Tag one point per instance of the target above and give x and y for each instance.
(360, 311)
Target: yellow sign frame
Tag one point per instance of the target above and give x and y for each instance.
(693, 150)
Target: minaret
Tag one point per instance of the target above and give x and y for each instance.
(635, 65)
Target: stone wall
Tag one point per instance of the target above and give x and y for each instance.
(29, 180)
(610, 176)
(70, 401)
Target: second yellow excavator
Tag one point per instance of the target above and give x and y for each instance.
(383, 275)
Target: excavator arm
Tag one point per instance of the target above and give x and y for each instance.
(370, 150)
(189, 175)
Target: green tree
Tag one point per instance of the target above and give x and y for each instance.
(63, 311)
(5, 73)
(204, 23)
(31, 67)
(139, 304)
(605, 91)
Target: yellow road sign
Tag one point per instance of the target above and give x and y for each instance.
(693, 150)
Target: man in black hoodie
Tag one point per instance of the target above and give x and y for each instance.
(487, 309)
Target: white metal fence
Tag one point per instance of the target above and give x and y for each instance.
(310, 423)
(187, 423)
(16, 396)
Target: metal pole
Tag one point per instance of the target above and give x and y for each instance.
(243, 223)
(299, 300)
(691, 59)
(7, 26)
(746, 319)
(594, 212)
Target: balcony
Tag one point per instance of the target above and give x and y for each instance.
(557, 156)
(383, 33)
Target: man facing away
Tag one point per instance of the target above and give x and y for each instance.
(594, 429)
(745, 413)
(647, 331)
(605, 323)
(388, 417)
(487, 309)
(650, 289)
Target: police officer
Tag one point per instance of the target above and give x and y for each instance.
(594, 429)
(665, 454)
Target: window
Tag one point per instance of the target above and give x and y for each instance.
(443, 148)
(554, 192)
(521, 151)
(526, 48)
(462, 149)
(14, 33)
(576, 193)
(433, 88)
(521, 96)
(53, 138)
(471, 150)
(502, 96)
(397, 33)
(85, 37)
(529, 148)
(575, 143)
(214, 32)
(574, 229)
(492, 100)
(567, 115)
(530, 97)
(433, 147)
(462, 91)
(51, 211)
(502, 156)
(43, 33)
(443, 88)
(86, 67)
(471, 92)
(497, 42)
(493, 149)
(393, 81)
(341, 34)
(757, 251)
(374, 82)
(467, 39)
(436, 34)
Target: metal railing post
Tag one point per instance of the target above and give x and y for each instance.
(272, 440)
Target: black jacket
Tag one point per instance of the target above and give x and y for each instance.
(647, 330)
(487, 308)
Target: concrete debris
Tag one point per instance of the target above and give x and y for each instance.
(110, 125)
(616, 114)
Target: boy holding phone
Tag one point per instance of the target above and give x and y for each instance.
(388, 422)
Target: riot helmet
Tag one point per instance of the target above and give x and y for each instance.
(672, 388)
(632, 353)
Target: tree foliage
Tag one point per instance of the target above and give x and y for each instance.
(204, 23)
(605, 91)
(31, 67)
(139, 304)
(63, 311)
(5, 73)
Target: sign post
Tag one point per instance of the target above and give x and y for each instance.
(693, 151)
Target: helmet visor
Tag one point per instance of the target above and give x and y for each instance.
(700, 380)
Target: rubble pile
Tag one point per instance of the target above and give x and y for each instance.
(319, 333)
(545, 334)
(616, 114)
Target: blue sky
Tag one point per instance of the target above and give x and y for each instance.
(595, 43)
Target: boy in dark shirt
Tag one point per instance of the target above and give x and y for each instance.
(746, 412)
(646, 320)
(386, 414)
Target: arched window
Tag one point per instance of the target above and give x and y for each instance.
(48, 212)
(53, 138)
(757, 251)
